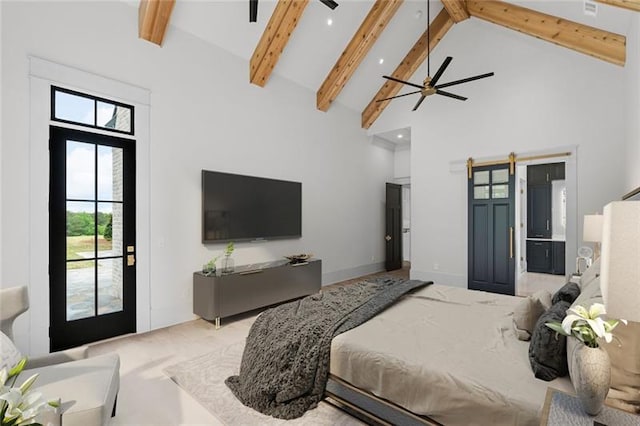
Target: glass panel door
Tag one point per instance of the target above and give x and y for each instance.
(92, 221)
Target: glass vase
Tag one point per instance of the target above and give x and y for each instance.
(227, 266)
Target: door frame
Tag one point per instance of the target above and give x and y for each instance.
(32, 332)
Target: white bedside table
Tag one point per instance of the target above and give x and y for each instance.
(562, 409)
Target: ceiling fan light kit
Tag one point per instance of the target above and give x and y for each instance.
(429, 86)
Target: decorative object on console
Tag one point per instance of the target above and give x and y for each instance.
(590, 370)
(227, 266)
(209, 268)
(592, 232)
(295, 259)
(584, 259)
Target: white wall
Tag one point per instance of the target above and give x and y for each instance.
(204, 115)
(633, 106)
(541, 97)
(402, 162)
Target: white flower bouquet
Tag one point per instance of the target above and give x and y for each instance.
(21, 405)
(586, 325)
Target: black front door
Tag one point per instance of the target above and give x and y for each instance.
(491, 230)
(393, 235)
(91, 237)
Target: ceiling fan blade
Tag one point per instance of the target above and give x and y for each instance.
(402, 81)
(440, 71)
(451, 95)
(464, 80)
(419, 102)
(330, 3)
(253, 10)
(399, 96)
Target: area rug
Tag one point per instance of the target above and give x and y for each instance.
(203, 378)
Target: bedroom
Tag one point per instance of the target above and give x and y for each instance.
(537, 101)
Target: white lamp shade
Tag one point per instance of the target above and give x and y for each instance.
(620, 274)
(592, 231)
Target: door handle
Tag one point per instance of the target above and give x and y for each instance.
(388, 238)
(547, 224)
(511, 242)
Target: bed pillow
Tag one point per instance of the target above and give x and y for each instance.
(548, 351)
(525, 316)
(568, 292)
(544, 297)
(10, 354)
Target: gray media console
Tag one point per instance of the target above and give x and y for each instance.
(253, 286)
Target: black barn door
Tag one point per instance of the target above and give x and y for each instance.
(393, 236)
(491, 230)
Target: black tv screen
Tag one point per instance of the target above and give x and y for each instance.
(236, 207)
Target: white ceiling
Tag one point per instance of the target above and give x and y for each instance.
(314, 46)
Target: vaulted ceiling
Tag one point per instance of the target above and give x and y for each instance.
(341, 54)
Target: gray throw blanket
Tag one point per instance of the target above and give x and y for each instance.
(285, 364)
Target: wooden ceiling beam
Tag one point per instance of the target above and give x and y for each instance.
(274, 39)
(372, 26)
(153, 19)
(411, 62)
(591, 41)
(457, 9)
(626, 4)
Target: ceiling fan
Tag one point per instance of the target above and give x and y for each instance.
(429, 85)
(253, 8)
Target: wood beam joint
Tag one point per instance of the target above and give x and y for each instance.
(457, 9)
(153, 19)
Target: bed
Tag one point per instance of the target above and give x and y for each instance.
(444, 354)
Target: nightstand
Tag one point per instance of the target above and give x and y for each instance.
(562, 409)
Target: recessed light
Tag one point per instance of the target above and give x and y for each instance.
(329, 22)
(400, 136)
(381, 61)
(418, 14)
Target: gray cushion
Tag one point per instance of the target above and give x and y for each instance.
(568, 292)
(548, 352)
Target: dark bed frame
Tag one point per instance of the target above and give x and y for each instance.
(370, 408)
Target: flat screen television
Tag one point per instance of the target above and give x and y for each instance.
(237, 207)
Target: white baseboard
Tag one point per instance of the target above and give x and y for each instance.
(347, 274)
(440, 278)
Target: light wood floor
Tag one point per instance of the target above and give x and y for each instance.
(147, 396)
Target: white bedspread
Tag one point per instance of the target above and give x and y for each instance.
(447, 353)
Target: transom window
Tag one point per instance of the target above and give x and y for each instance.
(73, 107)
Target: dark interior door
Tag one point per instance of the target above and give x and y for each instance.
(91, 237)
(539, 211)
(393, 236)
(491, 230)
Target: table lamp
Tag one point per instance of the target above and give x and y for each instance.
(592, 232)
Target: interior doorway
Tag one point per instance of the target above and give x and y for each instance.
(544, 222)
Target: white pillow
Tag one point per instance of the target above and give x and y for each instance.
(525, 316)
(10, 354)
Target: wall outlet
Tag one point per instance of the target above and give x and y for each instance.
(436, 266)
